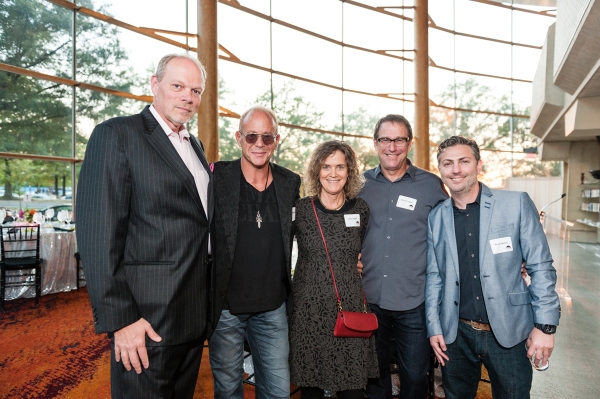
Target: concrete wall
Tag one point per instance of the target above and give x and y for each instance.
(547, 99)
(542, 190)
(583, 157)
(569, 17)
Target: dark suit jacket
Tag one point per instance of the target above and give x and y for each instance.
(142, 231)
(226, 178)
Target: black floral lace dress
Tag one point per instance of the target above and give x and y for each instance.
(317, 358)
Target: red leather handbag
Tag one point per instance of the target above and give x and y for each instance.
(355, 324)
(348, 324)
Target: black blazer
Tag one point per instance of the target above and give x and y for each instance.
(227, 177)
(142, 231)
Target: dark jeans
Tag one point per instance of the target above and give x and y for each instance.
(408, 329)
(267, 334)
(509, 369)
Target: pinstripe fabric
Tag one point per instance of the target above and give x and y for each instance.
(176, 379)
(142, 231)
(227, 177)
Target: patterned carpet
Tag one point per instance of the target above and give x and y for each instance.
(51, 351)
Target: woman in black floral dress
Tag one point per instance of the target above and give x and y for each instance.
(318, 360)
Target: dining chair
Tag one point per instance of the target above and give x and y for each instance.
(20, 252)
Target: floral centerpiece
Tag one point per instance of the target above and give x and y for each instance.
(28, 215)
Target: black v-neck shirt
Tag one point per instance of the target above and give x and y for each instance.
(258, 279)
(466, 229)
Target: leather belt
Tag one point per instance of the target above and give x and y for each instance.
(475, 325)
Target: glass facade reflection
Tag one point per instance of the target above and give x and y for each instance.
(329, 68)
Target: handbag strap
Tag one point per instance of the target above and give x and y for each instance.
(337, 294)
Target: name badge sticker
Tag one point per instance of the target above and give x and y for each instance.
(501, 245)
(352, 220)
(406, 203)
(293, 213)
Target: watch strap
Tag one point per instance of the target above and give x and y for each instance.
(545, 328)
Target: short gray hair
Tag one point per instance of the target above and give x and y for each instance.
(458, 140)
(259, 108)
(161, 68)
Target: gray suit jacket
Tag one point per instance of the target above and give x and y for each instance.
(142, 231)
(227, 177)
(512, 307)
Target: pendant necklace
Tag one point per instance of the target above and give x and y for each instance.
(258, 208)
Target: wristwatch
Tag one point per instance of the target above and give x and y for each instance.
(545, 328)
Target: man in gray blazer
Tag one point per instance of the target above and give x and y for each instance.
(479, 308)
(144, 209)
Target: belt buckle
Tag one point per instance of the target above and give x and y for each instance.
(475, 328)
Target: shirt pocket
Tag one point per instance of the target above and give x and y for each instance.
(520, 298)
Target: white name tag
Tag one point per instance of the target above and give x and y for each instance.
(293, 214)
(500, 245)
(352, 220)
(406, 203)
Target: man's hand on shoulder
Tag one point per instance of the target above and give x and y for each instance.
(130, 345)
(526, 278)
(540, 345)
(439, 348)
(359, 265)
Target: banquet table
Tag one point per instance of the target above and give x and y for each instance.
(59, 271)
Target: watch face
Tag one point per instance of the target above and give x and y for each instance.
(546, 328)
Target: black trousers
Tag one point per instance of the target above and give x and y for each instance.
(173, 373)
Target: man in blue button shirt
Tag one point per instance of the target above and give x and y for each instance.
(394, 257)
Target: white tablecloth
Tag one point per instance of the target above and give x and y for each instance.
(59, 270)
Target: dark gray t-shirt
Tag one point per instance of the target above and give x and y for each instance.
(394, 252)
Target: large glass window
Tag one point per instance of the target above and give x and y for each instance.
(147, 13)
(35, 116)
(372, 30)
(441, 48)
(253, 45)
(37, 35)
(481, 19)
(483, 62)
(307, 56)
(372, 73)
(323, 17)
(329, 68)
(34, 184)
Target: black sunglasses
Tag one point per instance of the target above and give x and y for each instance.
(252, 138)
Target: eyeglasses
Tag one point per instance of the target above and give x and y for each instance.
(252, 138)
(400, 141)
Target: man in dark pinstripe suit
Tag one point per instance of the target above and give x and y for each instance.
(144, 207)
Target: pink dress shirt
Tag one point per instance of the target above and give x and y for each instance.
(181, 142)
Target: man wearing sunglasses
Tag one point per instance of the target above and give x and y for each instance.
(394, 256)
(253, 233)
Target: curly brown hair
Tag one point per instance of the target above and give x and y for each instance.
(312, 182)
